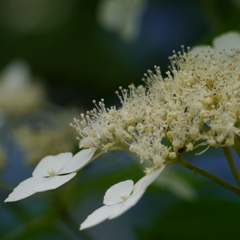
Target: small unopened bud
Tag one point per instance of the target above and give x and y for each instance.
(169, 134)
(131, 129)
(148, 171)
(111, 127)
(207, 101)
(140, 127)
(229, 142)
(189, 147)
(172, 155)
(158, 161)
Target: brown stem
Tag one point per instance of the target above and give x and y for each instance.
(232, 164)
(206, 174)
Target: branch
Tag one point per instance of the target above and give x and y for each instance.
(206, 174)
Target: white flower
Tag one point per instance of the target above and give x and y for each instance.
(18, 94)
(122, 16)
(226, 41)
(119, 198)
(51, 173)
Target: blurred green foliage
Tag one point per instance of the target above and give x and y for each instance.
(207, 218)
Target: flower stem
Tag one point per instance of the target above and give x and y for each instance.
(232, 164)
(206, 174)
(236, 145)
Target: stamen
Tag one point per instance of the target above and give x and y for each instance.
(124, 196)
(51, 172)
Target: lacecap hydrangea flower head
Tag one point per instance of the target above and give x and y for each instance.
(195, 105)
(198, 101)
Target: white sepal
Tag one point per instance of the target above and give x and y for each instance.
(78, 161)
(119, 198)
(113, 194)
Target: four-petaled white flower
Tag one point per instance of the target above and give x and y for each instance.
(51, 173)
(119, 198)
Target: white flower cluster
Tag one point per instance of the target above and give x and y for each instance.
(196, 104)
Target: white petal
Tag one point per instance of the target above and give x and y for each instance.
(54, 182)
(130, 202)
(200, 49)
(227, 41)
(79, 160)
(24, 189)
(144, 182)
(112, 195)
(52, 162)
(138, 190)
(98, 216)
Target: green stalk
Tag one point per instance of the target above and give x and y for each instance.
(232, 164)
(236, 145)
(206, 174)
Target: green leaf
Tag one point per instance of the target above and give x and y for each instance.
(203, 219)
